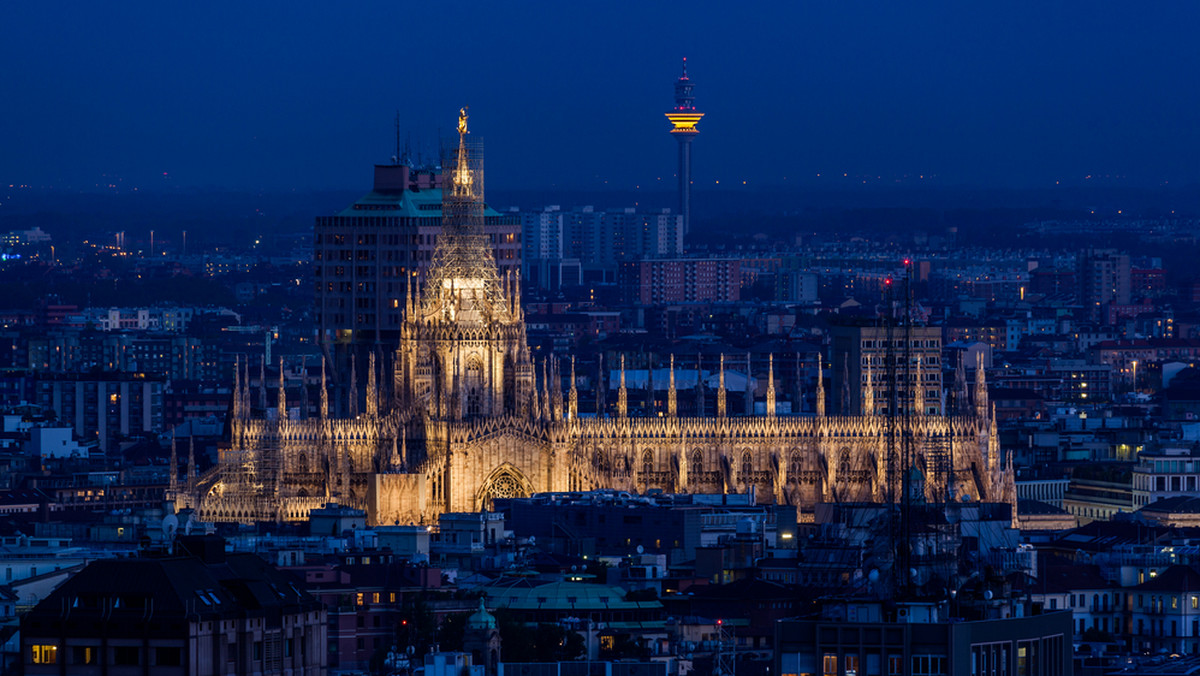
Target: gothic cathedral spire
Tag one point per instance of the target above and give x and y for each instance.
(672, 403)
(771, 386)
(721, 389)
(820, 403)
(622, 394)
(981, 393)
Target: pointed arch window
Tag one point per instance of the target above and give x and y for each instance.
(697, 461)
(747, 464)
(844, 462)
(647, 463)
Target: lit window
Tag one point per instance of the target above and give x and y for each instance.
(83, 655)
(44, 654)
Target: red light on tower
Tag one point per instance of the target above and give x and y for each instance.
(907, 262)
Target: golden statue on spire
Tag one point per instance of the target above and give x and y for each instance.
(462, 173)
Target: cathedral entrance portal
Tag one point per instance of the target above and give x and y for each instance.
(505, 481)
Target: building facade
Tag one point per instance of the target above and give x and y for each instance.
(207, 613)
(1165, 473)
(561, 247)
(104, 406)
(1103, 276)
(866, 359)
(681, 280)
(920, 643)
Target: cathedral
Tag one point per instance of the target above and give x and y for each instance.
(467, 415)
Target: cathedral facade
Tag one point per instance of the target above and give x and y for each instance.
(468, 416)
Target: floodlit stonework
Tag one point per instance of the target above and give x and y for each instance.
(468, 416)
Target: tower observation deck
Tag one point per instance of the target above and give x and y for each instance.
(684, 117)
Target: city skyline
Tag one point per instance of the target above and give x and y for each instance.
(286, 392)
(146, 96)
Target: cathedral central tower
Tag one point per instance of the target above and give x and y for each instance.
(462, 349)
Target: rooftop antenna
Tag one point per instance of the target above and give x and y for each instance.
(397, 157)
(907, 452)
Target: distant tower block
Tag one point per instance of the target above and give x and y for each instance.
(684, 118)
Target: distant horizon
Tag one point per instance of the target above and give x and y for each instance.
(839, 184)
(166, 207)
(269, 96)
(497, 180)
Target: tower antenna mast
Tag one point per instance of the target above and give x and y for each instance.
(906, 440)
(684, 117)
(894, 464)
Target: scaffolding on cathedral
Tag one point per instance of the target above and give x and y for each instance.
(463, 284)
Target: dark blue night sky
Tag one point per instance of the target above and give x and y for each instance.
(571, 95)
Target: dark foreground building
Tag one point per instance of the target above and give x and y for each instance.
(871, 639)
(207, 613)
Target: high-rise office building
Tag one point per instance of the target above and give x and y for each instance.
(865, 359)
(546, 264)
(365, 254)
(560, 245)
(1103, 277)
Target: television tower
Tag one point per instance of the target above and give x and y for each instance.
(684, 118)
